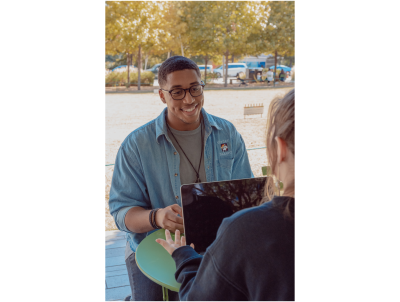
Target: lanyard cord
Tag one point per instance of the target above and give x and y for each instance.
(201, 154)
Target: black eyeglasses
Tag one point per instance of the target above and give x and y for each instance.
(180, 93)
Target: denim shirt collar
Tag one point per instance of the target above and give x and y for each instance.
(161, 126)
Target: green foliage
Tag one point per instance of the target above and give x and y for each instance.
(109, 65)
(210, 76)
(112, 78)
(288, 61)
(279, 33)
(155, 60)
(147, 77)
(130, 26)
(110, 58)
(202, 30)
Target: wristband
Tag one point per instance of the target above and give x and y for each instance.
(151, 218)
(154, 219)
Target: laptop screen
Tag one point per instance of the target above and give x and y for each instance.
(205, 205)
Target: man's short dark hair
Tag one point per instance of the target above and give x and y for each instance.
(175, 63)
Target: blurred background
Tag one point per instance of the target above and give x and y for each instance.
(223, 37)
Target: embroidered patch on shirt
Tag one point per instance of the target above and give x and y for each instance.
(224, 147)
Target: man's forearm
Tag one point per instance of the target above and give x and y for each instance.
(137, 220)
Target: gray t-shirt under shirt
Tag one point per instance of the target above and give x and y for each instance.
(190, 141)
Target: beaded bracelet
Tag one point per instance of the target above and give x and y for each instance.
(151, 218)
(154, 219)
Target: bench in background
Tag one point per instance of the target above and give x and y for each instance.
(253, 109)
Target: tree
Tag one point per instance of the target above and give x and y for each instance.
(279, 33)
(130, 27)
(201, 29)
(172, 28)
(222, 27)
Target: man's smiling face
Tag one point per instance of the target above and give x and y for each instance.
(183, 115)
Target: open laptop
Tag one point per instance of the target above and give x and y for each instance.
(206, 204)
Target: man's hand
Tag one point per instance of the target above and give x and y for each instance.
(169, 244)
(168, 218)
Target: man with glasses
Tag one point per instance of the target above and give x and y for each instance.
(183, 145)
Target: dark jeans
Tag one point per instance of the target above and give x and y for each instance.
(143, 289)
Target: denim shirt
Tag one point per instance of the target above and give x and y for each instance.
(252, 258)
(147, 164)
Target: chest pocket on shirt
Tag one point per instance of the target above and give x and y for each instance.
(225, 168)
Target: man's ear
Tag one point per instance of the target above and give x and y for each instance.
(282, 149)
(161, 94)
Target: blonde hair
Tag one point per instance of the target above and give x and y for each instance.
(280, 123)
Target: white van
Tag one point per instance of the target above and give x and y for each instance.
(209, 68)
(233, 69)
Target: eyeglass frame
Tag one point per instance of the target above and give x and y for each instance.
(184, 90)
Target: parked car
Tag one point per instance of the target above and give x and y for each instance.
(123, 67)
(233, 69)
(154, 69)
(209, 68)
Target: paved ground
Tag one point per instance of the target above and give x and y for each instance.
(117, 282)
(216, 83)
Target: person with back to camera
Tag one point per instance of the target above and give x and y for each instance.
(252, 257)
(282, 76)
(183, 145)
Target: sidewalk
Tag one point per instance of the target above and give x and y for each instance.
(218, 84)
(117, 281)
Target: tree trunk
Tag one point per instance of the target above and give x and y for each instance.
(181, 45)
(205, 69)
(127, 61)
(276, 61)
(226, 68)
(145, 62)
(139, 67)
(169, 54)
(223, 69)
(232, 59)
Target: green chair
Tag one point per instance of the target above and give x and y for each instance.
(156, 263)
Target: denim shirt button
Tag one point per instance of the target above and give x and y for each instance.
(176, 174)
(176, 197)
(174, 153)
